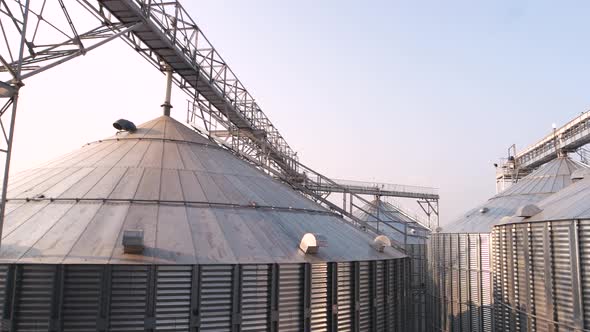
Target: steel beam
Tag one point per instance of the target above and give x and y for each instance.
(333, 297)
(307, 271)
(195, 306)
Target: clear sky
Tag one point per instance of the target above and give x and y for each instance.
(415, 92)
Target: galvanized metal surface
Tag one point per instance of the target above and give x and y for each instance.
(396, 224)
(380, 189)
(360, 296)
(569, 203)
(459, 283)
(569, 137)
(537, 186)
(541, 276)
(195, 203)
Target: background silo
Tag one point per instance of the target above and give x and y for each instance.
(460, 284)
(161, 230)
(542, 278)
(408, 231)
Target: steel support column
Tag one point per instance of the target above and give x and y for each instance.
(333, 295)
(236, 315)
(549, 282)
(373, 293)
(102, 321)
(195, 314)
(7, 138)
(388, 296)
(577, 296)
(480, 325)
(56, 323)
(150, 307)
(307, 297)
(527, 267)
(356, 296)
(8, 305)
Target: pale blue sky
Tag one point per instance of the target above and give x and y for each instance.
(415, 92)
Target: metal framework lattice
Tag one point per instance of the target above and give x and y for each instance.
(38, 35)
(571, 137)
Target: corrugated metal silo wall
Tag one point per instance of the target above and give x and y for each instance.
(417, 314)
(349, 296)
(542, 276)
(459, 283)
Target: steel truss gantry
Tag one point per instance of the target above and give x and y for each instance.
(40, 34)
(427, 198)
(571, 137)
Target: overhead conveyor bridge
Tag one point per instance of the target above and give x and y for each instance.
(570, 137)
(164, 34)
(378, 189)
(172, 36)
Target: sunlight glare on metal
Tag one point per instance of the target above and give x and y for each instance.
(6, 90)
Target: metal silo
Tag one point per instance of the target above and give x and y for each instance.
(409, 232)
(161, 230)
(460, 283)
(405, 230)
(541, 255)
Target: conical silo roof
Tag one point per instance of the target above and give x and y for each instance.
(569, 203)
(540, 184)
(393, 221)
(195, 202)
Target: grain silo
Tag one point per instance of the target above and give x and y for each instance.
(541, 271)
(407, 231)
(159, 229)
(459, 288)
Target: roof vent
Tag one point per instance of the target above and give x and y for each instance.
(528, 210)
(125, 125)
(579, 174)
(310, 243)
(380, 243)
(484, 210)
(133, 241)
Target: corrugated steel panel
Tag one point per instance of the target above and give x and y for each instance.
(81, 297)
(4, 271)
(486, 281)
(584, 245)
(459, 290)
(345, 297)
(562, 269)
(33, 303)
(291, 297)
(255, 298)
(207, 297)
(474, 274)
(379, 295)
(319, 297)
(173, 297)
(540, 281)
(365, 293)
(129, 291)
(541, 303)
(394, 314)
(216, 297)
